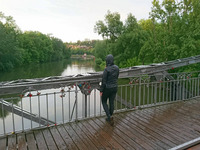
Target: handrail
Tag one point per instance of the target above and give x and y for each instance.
(67, 104)
(11, 87)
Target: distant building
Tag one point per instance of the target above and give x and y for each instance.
(84, 47)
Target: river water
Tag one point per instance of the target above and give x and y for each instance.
(61, 68)
(52, 106)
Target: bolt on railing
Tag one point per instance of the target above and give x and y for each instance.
(34, 109)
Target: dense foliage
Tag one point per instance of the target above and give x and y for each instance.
(18, 48)
(171, 32)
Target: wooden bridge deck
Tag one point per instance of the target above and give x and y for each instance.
(161, 127)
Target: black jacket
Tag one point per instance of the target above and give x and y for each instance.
(110, 74)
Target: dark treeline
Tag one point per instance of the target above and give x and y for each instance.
(18, 48)
(171, 32)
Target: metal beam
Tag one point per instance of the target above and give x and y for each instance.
(18, 86)
(25, 114)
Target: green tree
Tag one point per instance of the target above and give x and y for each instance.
(111, 28)
(128, 45)
(10, 53)
(101, 50)
(37, 47)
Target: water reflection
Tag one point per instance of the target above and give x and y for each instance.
(79, 66)
(64, 67)
(61, 68)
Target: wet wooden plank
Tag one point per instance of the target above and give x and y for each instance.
(185, 122)
(21, 141)
(66, 137)
(75, 137)
(92, 137)
(110, 130)
(87, 141)
(189, 109)
(108, 137)
(150, 134)
(31, 143)
(12, 142)
(40, 140)
(58, 138)
(166, 120)
(155, 126)
(193, 123)
(133, 133)
(160, 127)
(130, 141)
(146, 140)
(192, 105)
(176, 121)
(165, 124)
(97, 135)
(49, 140)
(3, 143)
(163, 118)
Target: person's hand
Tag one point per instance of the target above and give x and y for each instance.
(101, 93)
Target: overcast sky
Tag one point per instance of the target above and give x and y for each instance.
(70, 20)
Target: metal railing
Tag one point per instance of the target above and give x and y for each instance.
(37, 109)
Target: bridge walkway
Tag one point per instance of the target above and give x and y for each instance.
(161, 127)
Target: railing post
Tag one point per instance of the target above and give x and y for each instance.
(184, 90)
(69, 103)
(192, 82)
(159, 92)
(167, 91)
(144, 95)
(22, 114)
(163, 89)
(155, 93)
(47, 109)
(95, 102)
(195, 86)
(148, 96)
(152, 100)
(89, 106)
(63, 118)
(130, 101)
(13, 118)
(31, 110)
(39, 110)
(187, 87)
(100, 103)
(4, 129)
(85, 105)
(135, 103)
(55, 107)
(177, 88)
(139, 91)
(76, 98)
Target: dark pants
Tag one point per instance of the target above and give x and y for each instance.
(111, 94)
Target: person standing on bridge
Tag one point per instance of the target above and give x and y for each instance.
(108, 89)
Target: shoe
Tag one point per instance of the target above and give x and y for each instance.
(107, 120)
(111, 121)
(111, 118)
